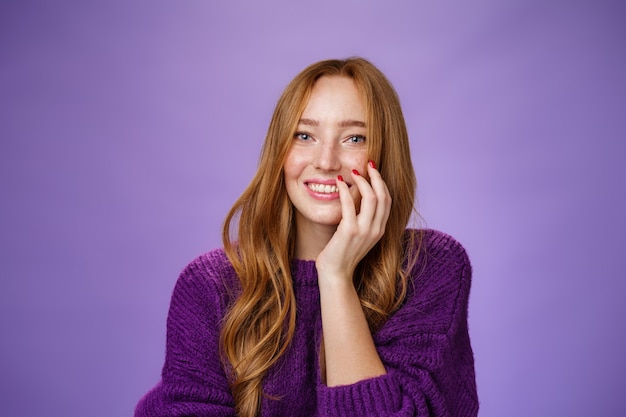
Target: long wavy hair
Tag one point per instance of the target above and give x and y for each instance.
(260, 324)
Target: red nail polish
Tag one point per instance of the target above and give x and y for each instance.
(340, 178)
(355, 172)
(372, 164)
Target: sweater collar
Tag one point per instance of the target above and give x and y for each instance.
(303, 272)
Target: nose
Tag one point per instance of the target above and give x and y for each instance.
(327, 156)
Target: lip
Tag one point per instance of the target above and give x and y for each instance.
(325, 181)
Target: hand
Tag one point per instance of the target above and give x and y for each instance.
(356, 233)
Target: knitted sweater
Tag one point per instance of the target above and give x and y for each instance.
(424, 346)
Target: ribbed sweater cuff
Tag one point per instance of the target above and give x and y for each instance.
(380, 396)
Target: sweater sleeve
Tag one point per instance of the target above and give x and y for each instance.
(192, 381)
(424, 346)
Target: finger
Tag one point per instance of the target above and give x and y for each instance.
(378, 184)
(382, 194)
(348, 209)
(369, 204)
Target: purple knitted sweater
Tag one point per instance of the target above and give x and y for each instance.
(424, 346)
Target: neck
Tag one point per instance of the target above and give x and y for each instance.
(312, 239)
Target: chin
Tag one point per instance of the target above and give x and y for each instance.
(326, 220)
(333, 222)
(322, 219)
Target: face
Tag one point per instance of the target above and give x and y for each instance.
(329, 141)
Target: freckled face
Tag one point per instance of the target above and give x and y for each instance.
(329, 141)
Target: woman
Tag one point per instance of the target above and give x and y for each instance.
(324, 304)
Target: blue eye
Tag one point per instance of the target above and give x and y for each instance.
(356, 139)
(302, 136)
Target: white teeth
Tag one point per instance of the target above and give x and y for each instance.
(321, 188)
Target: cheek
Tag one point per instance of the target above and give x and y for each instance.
(290, 167)
(295, 163)
(357, 161)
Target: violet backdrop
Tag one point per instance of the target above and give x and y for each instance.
(128, 129)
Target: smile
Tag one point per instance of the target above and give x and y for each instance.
(323, 188)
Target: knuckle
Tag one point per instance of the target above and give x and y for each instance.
(375, 231)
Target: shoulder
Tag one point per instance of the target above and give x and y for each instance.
(439, 283)
(435, 246)
(213, 265)
(209, 278)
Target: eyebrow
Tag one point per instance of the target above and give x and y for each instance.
(343, 123)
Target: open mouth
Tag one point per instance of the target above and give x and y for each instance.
(323, 188)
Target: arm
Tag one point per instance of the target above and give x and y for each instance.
(193, 382)
(350, 354)
(349, 350)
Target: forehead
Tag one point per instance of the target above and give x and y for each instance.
(335, 97)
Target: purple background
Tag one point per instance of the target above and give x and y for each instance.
(128, 131)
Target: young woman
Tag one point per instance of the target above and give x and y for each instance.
(323, 303)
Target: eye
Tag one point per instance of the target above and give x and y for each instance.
(302, 136)
(356, 139)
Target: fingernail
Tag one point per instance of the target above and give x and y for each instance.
(340, 178)
(372, 164)
(355, 172)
